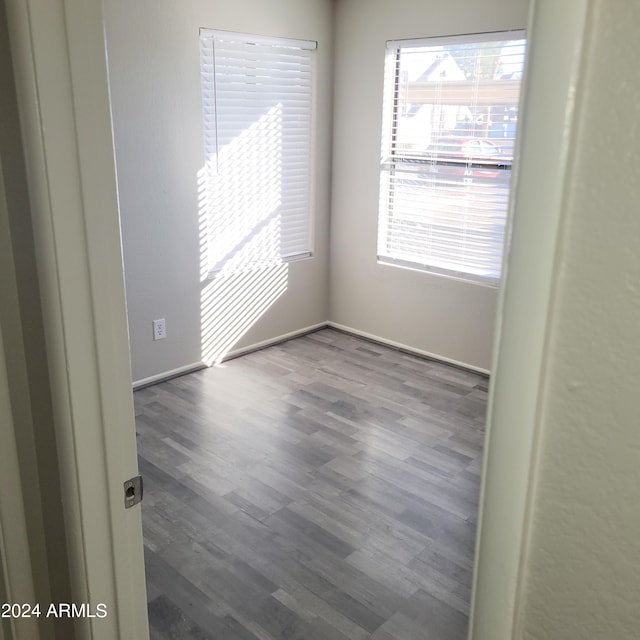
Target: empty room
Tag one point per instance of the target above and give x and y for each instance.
(327, 241)
(351, 230)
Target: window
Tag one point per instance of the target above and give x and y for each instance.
(255, 185)
(449, 124)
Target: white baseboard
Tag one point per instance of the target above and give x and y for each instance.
(167, 375)
(408, 349)
(273, 341)
(190, 368)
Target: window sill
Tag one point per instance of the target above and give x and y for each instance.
(258, 265)
(468, 278)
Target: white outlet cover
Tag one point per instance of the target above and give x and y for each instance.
(159, 329)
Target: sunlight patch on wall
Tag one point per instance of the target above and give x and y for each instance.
(241, 270)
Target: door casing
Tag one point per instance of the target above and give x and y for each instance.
(59, 58)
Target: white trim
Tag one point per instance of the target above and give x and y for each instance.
(218, 34)
(490, 36)
(408, 349)
(61, 79)
(525, 308)
(468, 278)
(273, 341)
(259, 265)
(16, 575)
(167, 375)
(197, 366)
(256, 346)
(16, 556)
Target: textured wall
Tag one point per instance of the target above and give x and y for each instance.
(446, 317)
(582, 573)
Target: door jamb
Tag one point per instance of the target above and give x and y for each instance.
(16, 570)
(556, 35)
(59, 54)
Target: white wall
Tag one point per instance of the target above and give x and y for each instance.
(582, 570)
(445, 317)
(153, 54)
(155, 92)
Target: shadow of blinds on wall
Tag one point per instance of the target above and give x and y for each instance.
(449, 126)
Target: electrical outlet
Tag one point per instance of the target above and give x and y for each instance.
(159, 329)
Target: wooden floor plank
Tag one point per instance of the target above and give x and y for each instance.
(322, 489)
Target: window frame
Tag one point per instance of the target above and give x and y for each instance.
(391, 158)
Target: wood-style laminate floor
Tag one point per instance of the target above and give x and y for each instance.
(322, 489)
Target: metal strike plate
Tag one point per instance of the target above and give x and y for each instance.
(132, 492)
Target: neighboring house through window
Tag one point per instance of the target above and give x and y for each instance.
(255, 186)
(449, 124)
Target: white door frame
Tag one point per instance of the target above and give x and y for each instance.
(16, 571)
(556, 36)
(59, 57)
(16, 584)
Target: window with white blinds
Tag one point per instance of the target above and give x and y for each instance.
(257, 95)
(449, 125)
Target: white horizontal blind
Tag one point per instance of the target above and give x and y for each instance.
(257, 108)
(450, 118)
